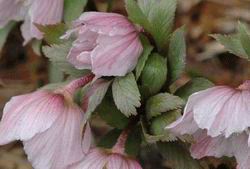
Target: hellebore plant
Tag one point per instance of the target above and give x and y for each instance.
(128, 76)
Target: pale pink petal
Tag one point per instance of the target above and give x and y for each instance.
(220, 110)
(11, 10)
(45, 12)
(26, 30)
(26, 115)
(107, 23)
(60, 145)
(133, 164)
(87, 139)
(96, 159)
(115, 56)
(116, 161)
(183, 125)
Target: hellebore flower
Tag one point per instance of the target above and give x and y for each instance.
(42, 12)
(50, 125)
(218, 119)
(115, 158)
(107, 43)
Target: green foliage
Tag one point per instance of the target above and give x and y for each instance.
(133, 142)
(108, 111)
(4, 33)
(52, 33)
(162, 102)
(177, 54)
(195, 85)
(73, 9)
(126, 94)
(109, 140)
(154, 74)
(160, 122)
(143, 58)
(244, 39)
(155, 16)
(177, 156)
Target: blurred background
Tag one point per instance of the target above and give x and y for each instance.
(23, 70)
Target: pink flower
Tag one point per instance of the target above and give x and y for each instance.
(43, 12)
(115, 158)
(218, 119)
(50, 125)
(107, 43)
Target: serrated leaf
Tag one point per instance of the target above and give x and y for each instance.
(126, 94)
(162, 102)
(52, 33)
(176, 156)
(160, 122)
(108, 111)
(195, 85)
(58, 55)
(109, 140)
(177, 54)
(92, 95)
(154, 74)
(155, 16)
(4, 32)
(245, 39)
(143, 58)
(73, 9)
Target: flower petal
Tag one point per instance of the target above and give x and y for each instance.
(220, 110)
(106, 23)
(115, 56)
(26, 115)
(11, 10)
(60, 145)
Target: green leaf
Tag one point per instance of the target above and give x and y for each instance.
(245, 39)
(109, 140)
(159, 123)
(73, 9)
(156, 17)
(177, 54)
(154, 74)
(92, 94)
(58, 55)
(162, 102)
(143, 58)
(126, 94)
(195, 85)
(4, 32)
(176, 156)
(52, 33)
(108, 111)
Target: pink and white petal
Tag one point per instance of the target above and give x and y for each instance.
(120, 53)
(133, 164)
(80, 59)
(26, 30)
(60, 145)
(106, 23)
(11, 10)
(87, 140)
(46, 12)
(116, 161)
(26, 115)
(183, 125)
(220, 110)
(96, 159)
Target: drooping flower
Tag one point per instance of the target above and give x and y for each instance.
(114, 158)
(218, 119)
(50, 125)
(43, 12)
(107, 43)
